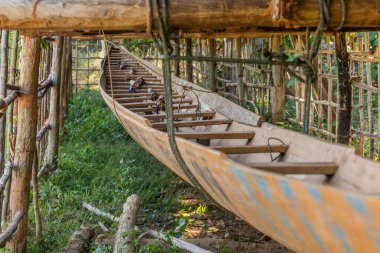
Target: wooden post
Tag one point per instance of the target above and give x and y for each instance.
(26, 140)
(177, 52)
(240, 73)
(345, 92)
(278, 95)
(189, 64)
(62, 85)
(10, 129)
(212, 53)
(53, 137)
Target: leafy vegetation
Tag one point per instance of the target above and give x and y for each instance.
(99, 163)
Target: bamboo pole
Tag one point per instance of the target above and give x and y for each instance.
(26, 140)
(239, 73)
(53, 137)
(3, 94)
(10, 122)
(195, 15)
(177, 52)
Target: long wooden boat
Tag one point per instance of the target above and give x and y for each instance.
(318, 197)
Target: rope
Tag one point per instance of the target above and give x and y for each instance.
(270, 148)
(164, 48)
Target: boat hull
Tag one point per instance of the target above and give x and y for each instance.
(303, 216)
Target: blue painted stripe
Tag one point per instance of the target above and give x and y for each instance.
(356, 203)
(341, 236)
(264, 189)
(314, 192)
(288, 192)
(256, 204)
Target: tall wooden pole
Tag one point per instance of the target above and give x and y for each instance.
(240, 72)
(3, 93)
(26, 140)
(278, 92)
(177, 69)
(212, 53)
(345, 92)
(10, 122)
(53, 137)
(63, 83)
(189, 64)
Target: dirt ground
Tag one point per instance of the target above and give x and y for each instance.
(220, 231)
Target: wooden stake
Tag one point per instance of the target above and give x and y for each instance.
(63, 83)
(345, 90)
(240, 73)
(278, 95)
(26, 140)
(177, 52)
(53, 137)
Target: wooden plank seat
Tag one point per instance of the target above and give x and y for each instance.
(128, 94)
(151, 109)
(142, 98)
(216, 135)
(180, 115)
(251, 149)
(162, 125)
(151, 103)
(324, 168)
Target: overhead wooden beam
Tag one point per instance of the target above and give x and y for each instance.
(195, 15)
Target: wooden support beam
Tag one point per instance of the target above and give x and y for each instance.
(53, 136)
(180, 115)
(278, 95)
(189, 63)
(142, 98)
(26, 140)
(251, 149)
(345, 89)
(176, 63)
(184, 15)
(298, 168)
(216, 135)
(162, 125)
(212, 65)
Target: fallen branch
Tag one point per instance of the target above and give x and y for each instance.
(11, 228)
(97, 211)
(127, 222)
(177, 242)
(4, 178)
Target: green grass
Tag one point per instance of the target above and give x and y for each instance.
(99, 163)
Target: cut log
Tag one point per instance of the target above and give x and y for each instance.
(251, 149)
(216, 135)
(298, 168)
(126, 224)
(79, 240)
(194, 123)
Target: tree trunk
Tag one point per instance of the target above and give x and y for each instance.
(11, 134)
(345, 92)
(189, 64)
(26, 140)
(278, 95)
(212, 53)
(53, 137)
